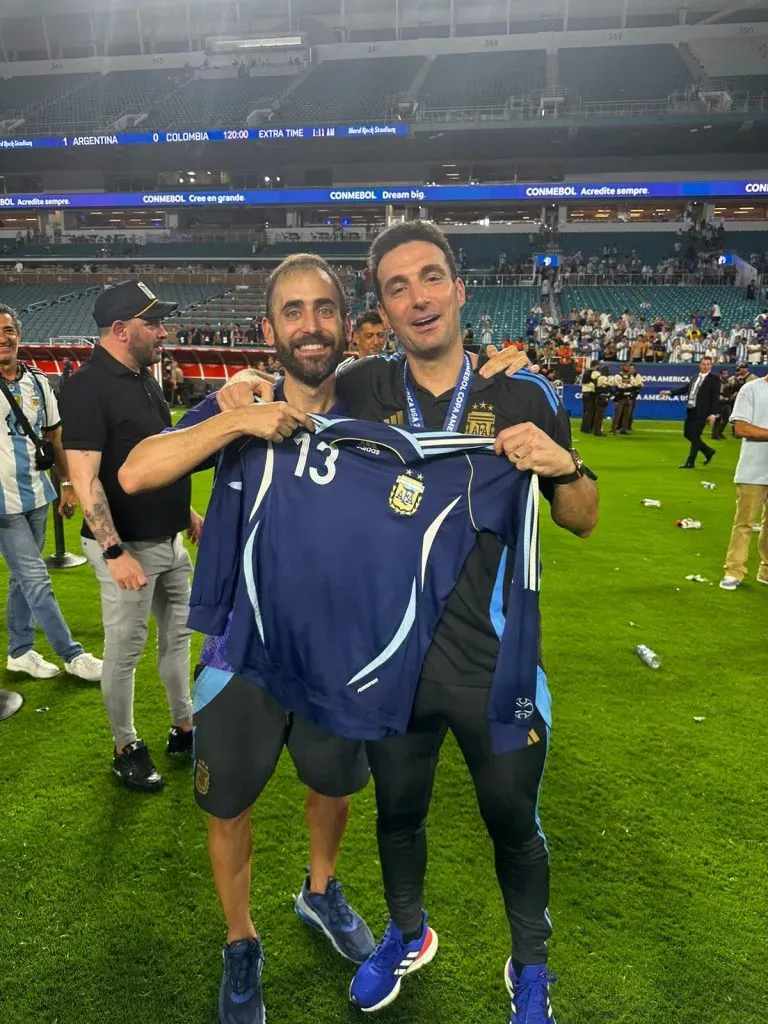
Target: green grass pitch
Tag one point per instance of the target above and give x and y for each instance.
(656, 823)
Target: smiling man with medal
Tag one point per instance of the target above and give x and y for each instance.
(435, 386)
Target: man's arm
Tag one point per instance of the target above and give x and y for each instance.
(743, 429)
(574, 505)
(84, 469)
(164, 458)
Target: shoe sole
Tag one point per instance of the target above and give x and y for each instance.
(730, 588)
(25, 672)
(306, 914)
(764, 582)
(263, 1013)
(424, 959)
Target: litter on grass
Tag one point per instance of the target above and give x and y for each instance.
(42, 709)
(698, 718)
(708, 485)
(697, 579)
(651, 503)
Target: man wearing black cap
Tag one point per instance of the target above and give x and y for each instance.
(133, 542)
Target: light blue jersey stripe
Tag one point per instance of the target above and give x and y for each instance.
(544, 384)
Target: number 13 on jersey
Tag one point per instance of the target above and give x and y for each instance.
(331, 454)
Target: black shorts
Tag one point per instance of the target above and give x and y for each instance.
(240, 731)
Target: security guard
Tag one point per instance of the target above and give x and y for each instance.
(588, 379)
(622, 409)
(727, 398)
(603, 392)
(637, 386)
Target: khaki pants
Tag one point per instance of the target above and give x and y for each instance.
(750, 499)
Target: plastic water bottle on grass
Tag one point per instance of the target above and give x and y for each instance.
(651, 659)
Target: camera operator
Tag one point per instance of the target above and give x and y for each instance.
(30, 444)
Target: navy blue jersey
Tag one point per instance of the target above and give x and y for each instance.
(333, 555)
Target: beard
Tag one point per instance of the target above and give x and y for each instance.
(313, 368)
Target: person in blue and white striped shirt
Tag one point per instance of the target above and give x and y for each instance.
(25, 494)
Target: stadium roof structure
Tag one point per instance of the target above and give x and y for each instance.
(58, 29)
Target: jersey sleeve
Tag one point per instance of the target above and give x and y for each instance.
(216, 568)
(83, 417)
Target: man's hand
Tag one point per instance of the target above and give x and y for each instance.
(240, 393)
(127, 572)
(528, 447)
(195, 528)
(273, 422)
(67, 502)
(711, 419)
(508, 360)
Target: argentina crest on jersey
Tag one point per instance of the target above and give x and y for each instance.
(406, 494)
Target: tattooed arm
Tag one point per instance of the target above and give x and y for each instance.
(84, 473)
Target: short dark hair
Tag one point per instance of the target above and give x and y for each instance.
(400, 234)
(303, 261)
(11, 312)
(368, 316)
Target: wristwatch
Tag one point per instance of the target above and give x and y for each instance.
(113, 551)
(580, 470)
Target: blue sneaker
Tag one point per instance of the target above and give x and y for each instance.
(529, 992)
(240, 1000)
(377, 983)
(332, 915)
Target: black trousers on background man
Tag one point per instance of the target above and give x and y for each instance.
(507, 789)
(694, 425)
(588, 412)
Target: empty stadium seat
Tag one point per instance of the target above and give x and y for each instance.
(349, 90)
(629, 73)
(507, 308)
(482, 79)
(215, 103)
(23, 95)
(104, 100)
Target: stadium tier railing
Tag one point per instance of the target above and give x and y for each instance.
(536, 107)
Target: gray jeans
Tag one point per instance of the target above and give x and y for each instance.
(125, 615)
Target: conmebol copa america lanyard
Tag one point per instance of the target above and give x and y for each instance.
(455, 409)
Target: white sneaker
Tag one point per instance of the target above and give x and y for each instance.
(85, 666)
(32, 664)
(729, 583)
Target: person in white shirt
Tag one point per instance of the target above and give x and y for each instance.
(715, 314)
(25, 494)
(750, 423)
(487, 335)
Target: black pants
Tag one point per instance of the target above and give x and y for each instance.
(507, 789)
(694, 425)
(588, 411)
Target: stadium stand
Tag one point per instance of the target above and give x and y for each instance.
(482, 79)
(660, 300)
(368, 87)
(649, 246)
(21, 96)
(628, 73)
(215, 103)
(103, 101)
(507, 308)
(69, 308)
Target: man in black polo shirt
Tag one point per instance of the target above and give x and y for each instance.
(414, 273)
(133, 542)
